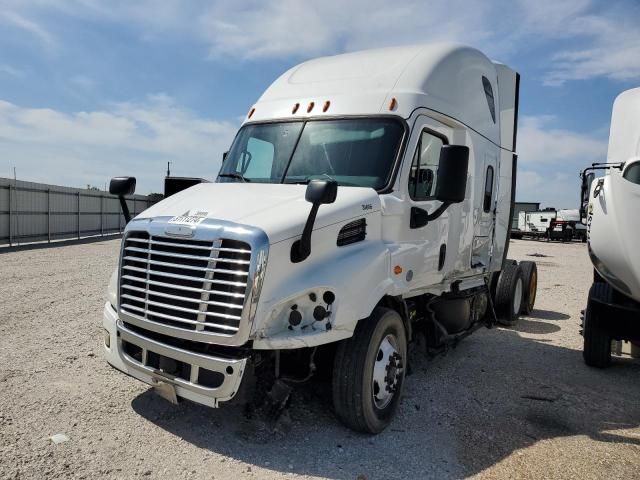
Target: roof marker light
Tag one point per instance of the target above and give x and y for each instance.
(393, 104)
(251, 112)
(326, 106)
(295, 108)
(310, 107)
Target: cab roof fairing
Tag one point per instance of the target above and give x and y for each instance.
(443, 77)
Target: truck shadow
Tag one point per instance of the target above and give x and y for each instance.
(548, 315)
(497, 393)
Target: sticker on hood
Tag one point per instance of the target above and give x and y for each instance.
(190, 217)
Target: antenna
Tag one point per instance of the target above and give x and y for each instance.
(168, 169)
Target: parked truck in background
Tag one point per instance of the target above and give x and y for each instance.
(364, 203)
(550, 224)
(609, 206)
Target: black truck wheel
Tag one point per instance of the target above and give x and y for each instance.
(597, 342)
(530, 279)
(368, 372)
(509, 294)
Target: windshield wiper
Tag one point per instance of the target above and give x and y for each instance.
(307, 179)
(237, 176)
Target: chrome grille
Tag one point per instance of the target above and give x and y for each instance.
(188, 284)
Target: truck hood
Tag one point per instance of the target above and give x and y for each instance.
(279, 210)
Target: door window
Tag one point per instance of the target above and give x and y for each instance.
(424, 169)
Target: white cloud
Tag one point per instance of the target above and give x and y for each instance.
(550, 158)
(126, 139)
(540, 142)
(11, 71)
(576, 39)
(27, 25)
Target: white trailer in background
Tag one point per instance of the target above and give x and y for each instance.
(365, 201)
(610, 206)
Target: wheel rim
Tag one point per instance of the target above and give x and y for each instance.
(517, 297)
(387, 372)
(533, 284)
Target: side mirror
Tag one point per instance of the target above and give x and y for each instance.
(318, 192)
(451, 184)
(123, 186)
(452, 174)
(585, 190)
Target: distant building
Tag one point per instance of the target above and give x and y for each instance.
(522, 207)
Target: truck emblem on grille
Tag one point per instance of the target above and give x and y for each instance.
(190, 217)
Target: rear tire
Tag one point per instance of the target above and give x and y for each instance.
(530, 278)
(597, 342)
(509, 294)
(369, 371)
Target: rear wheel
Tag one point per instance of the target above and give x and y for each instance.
(597, 342)
(530, 279)
(369, 372)
(509, 294)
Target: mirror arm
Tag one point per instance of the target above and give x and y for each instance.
(438, 211)
(125, 209)
(301, 249)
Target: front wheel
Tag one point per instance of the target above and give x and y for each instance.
(369, 372)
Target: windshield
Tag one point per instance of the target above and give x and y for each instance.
(357, 152)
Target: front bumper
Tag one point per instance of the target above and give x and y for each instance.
(146, 364)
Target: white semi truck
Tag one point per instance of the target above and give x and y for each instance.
(610, 206)
(364, 203)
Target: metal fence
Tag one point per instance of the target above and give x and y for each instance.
(35, 212)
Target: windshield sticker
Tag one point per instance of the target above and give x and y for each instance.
(190, 217)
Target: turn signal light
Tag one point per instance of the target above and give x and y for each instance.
(295, 108)
(393, 104)
(310, 107)
(397, 269)
(327, 104)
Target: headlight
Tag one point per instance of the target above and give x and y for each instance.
(112, 290)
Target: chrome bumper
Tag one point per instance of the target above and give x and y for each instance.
(231, 370)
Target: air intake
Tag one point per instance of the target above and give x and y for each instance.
(352, 232)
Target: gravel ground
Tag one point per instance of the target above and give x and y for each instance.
(506, 403)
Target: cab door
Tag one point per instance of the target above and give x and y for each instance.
(424, 247)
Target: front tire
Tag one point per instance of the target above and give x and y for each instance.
(597, 343)
(369, 371)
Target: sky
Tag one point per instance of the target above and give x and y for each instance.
(91, 89)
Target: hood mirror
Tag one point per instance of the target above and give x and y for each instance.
(318, 192)
(122, 187)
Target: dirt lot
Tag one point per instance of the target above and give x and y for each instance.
(507, 403)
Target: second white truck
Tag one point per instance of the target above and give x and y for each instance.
(365, 202)
(610, 206)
